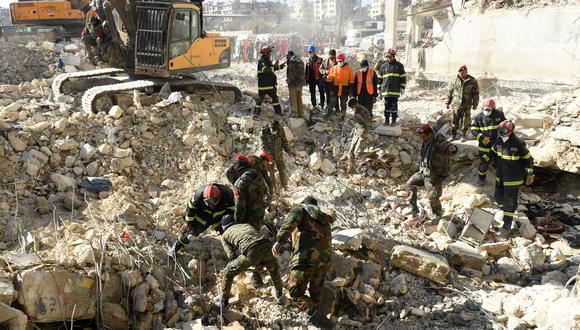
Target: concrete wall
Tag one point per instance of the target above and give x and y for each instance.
(541, 45)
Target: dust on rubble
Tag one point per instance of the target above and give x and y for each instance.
(155, 154)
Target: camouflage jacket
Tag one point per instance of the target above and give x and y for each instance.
(241, 237)
(265, 169)
(295, 72)
(312, 246)
(466, 91)
(250, 191)
(274, 144)
(435, 157)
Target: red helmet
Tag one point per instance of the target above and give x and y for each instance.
(242, 158)
(340, 57)
(266, 50)
(423, 129)
(211, 195)
(391, 52)
(489, 103)
(462, 68)
(505, 128)
(267, 157)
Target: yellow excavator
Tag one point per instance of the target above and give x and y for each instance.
(160, 43)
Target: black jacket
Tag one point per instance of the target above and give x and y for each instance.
(514, 161)
(266, 76)
(394, 79)
(202, 216)
(483, 126)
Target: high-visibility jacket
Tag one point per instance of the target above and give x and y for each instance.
(369, 79)
(514, 161)
(394, 79)
(341, 77)
(486, 126)
(313, 69)
(202, 215)
(266, 76)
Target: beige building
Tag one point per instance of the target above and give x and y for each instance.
(377, 8)
(303, 10)
(332, 9)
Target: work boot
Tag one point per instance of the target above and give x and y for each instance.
(256, 280)
(393, 120)
(320, 320)
(387, 122)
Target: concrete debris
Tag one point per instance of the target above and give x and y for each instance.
(420, 263)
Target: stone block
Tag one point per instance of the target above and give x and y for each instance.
(327, 167)
(247, 123)
(114, 316)
(462, 254)
(420, 263)
(315, 161)
(48, 295)
(370, 272)
(348, 239)
(565, 133)
(7, 291)
(116, 112)
(342, 267)
(477, 226)
(508, 265)
(389, 130)
(62, 182)
(532, 256)
(495, 248)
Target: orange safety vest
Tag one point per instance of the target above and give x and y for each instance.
(341, 77)
(369, 81)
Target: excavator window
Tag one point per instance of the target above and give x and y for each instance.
(184, 30)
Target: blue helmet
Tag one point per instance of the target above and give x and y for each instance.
(311, 48)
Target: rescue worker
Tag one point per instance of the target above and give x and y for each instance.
(342, 77)
(515, 167)
(264, 164)
(484, 129)
(434, 167)
(324, 70)
(360, 133)
(311, 252)
(250, 192)
(365, 86)
(394, 80)
(254, 250)
(312, 76)
(466, 92)
(206, 208)
(274, 142)
(92, 38)
(267, 81)
(295, 80)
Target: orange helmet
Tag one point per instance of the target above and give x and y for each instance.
(211, 195)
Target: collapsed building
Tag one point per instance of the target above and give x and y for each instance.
(79, 253)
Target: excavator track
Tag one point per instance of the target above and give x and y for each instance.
(101, 98)
(59, 81)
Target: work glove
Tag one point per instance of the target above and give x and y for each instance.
(486, 140)
(530, 179)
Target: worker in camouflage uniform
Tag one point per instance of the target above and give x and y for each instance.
(434, 167)
(466, 92)
(311, 246)
(484, 129)
(274, 142)
(264, 164)
(206, 208)
(360, 133)
(254, 250)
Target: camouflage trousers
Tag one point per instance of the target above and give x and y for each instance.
(302, 278)
(433, 185)
(259, 255)
(461, 120)
(281, 166)
(357, 145)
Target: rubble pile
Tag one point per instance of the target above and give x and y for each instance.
(20, 63)
(90, 203)
(501, 4)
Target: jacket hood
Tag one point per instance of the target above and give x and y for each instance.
(315, 213)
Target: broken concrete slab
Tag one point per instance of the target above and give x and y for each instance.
(532, 256)
(348, 239)
(21, 260)
(569, 134)
(421, 263)
(462, 254)
(389, 130)
(495, 248)
(48, 295)
(7, 291)
(114, 316)
(477, 226)
(12, 318)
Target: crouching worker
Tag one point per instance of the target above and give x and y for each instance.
(254, 250)
(206, 208)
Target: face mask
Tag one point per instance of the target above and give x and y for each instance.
(505, 138)
(340, 63)
(487, 112)
(365, 69)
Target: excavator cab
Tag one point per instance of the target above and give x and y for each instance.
(170, 40)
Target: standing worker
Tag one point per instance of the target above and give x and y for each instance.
(515, 166)
(206, 208)
(324, 70)
(267, 81)
(466, 90)
(392, 86)
(312, 76)
(295, 80)
(360, 133)
(254, 250)
(274, 142)
(311, 252)
(434, 167)
(365, 86)
(484, 129)
(342, 77)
